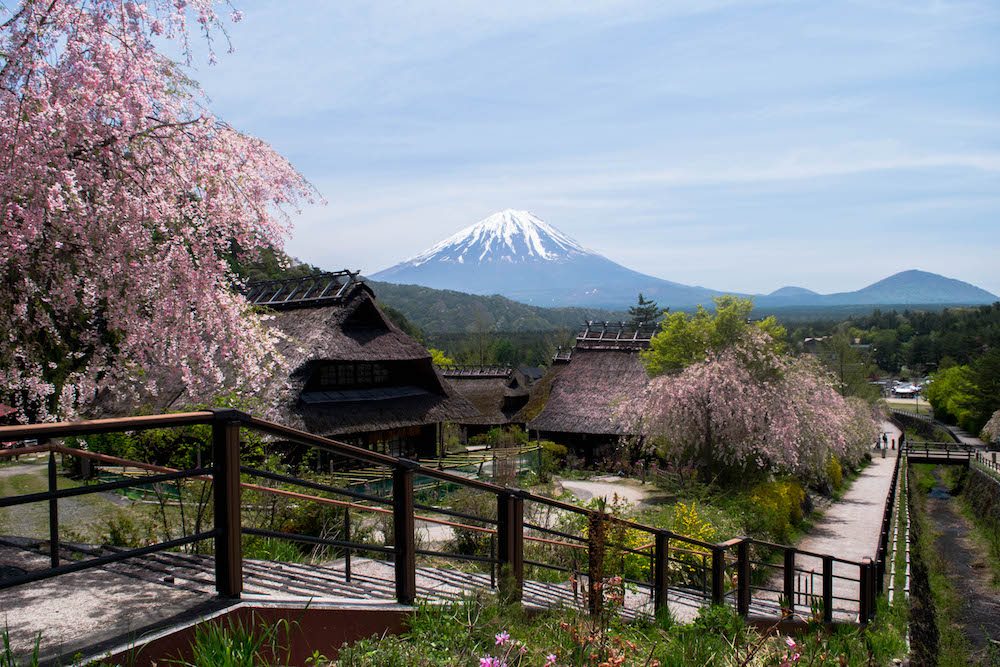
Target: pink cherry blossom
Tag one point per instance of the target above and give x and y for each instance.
(122, 200)
(751, 406)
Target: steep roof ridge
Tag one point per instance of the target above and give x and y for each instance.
(303, 292)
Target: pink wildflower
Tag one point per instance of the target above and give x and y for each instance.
(502, 638)
(550, 660)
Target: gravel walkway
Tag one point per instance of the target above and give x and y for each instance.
(607, 487)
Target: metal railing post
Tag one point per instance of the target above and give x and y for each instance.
(828, 589)
(510, 539)
(347, 538)
(53, 513)
(226, 481)
(661, 560)
(743, 577)
(865, 597)
(718, 574)
(789, 571)
(595, 563)
(404, 541)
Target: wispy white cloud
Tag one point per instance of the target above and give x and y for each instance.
(694, 140)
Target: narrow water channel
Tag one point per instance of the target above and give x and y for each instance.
(965, 563)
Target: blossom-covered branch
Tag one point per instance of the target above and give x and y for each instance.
(122, 203)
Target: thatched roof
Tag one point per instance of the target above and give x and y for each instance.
(353, 329)
(588, 393)
(497, 392)
(616, 335)
(538, 396)
(312, 290)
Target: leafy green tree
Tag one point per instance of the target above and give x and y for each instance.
(439, 358)
(952, 393)
(402, 321)
(684, 338)
(645, 311)
(850, 365)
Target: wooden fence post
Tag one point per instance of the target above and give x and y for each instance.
(661, 571)
(226, 480)
(595, 565)
(53, 513)
(743, 577)
(789, 571)
(510, 539)
(718, 574)
(404, 542)
(828, 589)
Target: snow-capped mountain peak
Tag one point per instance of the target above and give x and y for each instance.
(506, 236)
(516, 254)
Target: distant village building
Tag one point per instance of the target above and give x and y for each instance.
(812, 345)
(589, 387)
(497, 392)
(354, 375)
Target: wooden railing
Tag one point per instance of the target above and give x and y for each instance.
(734, 571)
(940, 452)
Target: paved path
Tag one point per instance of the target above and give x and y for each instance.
(965, 438)
(849, 529)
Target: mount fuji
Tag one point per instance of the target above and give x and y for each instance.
(517, 255)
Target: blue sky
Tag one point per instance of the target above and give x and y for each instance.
(735, 145)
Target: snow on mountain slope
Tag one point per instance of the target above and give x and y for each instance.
(506, 236)
(518, 255)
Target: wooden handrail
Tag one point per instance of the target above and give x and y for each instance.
(226, 425)
(140, 423)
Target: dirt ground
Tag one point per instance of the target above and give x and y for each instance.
(608, 486)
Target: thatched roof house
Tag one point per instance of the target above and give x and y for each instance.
(354, 374)
(497, 392)
(589, 386)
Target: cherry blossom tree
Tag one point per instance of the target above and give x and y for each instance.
(748, 406)
(123, 203)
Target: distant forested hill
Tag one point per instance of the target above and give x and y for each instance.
(446, 311)
(436, 311)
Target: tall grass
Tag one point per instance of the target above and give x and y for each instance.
(240, 644)
(7, 657)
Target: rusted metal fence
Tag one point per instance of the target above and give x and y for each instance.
(736, 572)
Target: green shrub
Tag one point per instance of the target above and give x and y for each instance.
(834, 473)
(473, 542)
(778, 507)
(553, 458)
(501, 437)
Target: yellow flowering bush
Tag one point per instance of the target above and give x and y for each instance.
(777, 507)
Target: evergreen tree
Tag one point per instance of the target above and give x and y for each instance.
(645, 310)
